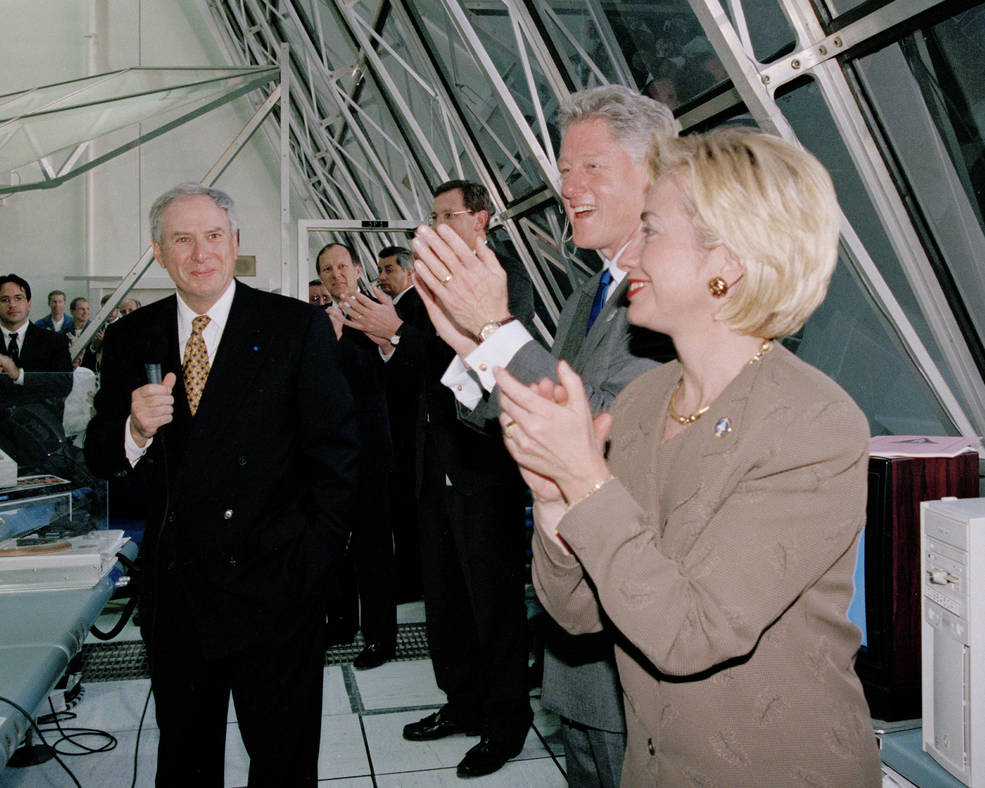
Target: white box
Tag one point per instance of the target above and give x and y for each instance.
(89, 560)
(952, 564)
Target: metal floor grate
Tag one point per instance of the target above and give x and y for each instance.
(128, 659)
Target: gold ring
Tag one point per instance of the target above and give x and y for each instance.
(446, 280)
(507, 428)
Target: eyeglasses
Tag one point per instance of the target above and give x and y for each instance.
(17, 299)
(445, 216)
(320, 299)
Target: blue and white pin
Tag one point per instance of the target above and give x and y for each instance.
(723, 427)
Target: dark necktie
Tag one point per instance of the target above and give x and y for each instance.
(599, 301)
(12, 349)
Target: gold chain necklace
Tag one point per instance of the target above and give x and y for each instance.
(693, 417)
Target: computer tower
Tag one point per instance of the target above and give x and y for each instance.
(952, 564)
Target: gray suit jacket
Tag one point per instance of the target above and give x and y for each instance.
(580, 680)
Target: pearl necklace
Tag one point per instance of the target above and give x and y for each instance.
(693, 417)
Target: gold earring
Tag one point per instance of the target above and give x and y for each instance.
(717, 286)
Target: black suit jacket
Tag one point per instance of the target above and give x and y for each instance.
(47, 368)
(473, 459)
(363, 369)
(250, 503)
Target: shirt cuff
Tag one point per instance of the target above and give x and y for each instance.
(497, 351)
(462, 384)
(386, 356)
(133, 451)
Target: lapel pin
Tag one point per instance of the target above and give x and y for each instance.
(256, 347)
(723, 427)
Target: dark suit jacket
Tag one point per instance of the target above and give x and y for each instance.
(473, 459)
(31, 414)
(363, 369)
(250, 498)
(47, 368)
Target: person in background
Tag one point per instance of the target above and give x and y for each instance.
(80, 320)
(733, 490)
(57, 320)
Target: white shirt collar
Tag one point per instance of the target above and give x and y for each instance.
(618, 274)
(218, 313)
(21, 333)
(400, 295)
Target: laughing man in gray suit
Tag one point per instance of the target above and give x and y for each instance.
(604, 181)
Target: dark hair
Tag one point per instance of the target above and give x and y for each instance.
(14, 279)
(56, 292)
(326, 247)
(76, 300)
(315, 283)
(405, 259)
(475, 195)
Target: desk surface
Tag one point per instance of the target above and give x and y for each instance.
(40, 632)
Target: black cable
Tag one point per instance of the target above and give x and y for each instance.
(54, 753)
(136, 744)
(71, 735)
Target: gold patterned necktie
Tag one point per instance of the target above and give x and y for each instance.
(195, 366)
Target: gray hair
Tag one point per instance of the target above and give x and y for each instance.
(220, 198)
(632, 117)
(405, 259)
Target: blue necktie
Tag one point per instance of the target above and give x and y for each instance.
(599, 301)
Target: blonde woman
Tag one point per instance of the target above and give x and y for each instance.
(717, 535)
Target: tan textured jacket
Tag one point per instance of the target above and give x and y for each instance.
(724, 558)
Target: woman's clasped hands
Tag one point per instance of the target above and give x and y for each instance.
(549, 430)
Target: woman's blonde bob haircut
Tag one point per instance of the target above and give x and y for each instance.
(770, 204)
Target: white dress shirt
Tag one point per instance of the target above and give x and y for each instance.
(212, 335)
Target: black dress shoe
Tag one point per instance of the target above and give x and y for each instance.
(486, 757)
(435, 726)
(374, 655)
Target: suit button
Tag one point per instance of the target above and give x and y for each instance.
(120, 474)
(171, 517)
(650, 748)
(232, 561)
(171, 566)
(227, 515)
(241, 461)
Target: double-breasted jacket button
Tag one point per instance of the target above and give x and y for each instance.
(227, 515)
(171, 517)
(172, 566)
(650, 748)
(242, 461)
(232, 561)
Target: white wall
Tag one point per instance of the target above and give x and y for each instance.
(96, 224)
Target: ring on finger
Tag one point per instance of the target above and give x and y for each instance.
(446, 280)
(507, 428)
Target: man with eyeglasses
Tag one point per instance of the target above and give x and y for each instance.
(35, 366)
(470, 510)
(318, 294)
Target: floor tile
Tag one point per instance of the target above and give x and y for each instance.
(115, 706)
(343, 749)
(399, 685)
(411, 613)
(334, 697)
(541, 773)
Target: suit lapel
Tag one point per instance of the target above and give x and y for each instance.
(571, 336)
(600, 329)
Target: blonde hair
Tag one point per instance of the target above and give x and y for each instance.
(770, 204)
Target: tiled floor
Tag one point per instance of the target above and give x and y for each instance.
(362, 746)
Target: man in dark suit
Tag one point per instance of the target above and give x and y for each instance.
(471, 519)
(249, 447)
(604, 180)
(35, 378)
(372, 541)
